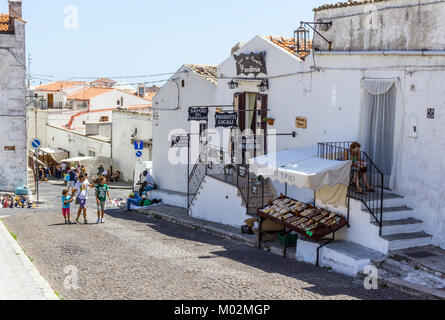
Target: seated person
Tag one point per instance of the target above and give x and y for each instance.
(359, 168)
(134, 199)
(148, 183)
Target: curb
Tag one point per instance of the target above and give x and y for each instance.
(221, 233)
(48, 292)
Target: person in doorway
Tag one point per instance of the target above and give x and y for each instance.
(66, 204)
(102, 191)
(359, 168)
(148, 183)
(81, 189)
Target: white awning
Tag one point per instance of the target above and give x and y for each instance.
(302, 167)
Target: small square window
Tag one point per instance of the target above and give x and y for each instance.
(9, 148)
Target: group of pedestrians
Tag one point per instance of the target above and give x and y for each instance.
(77, 191)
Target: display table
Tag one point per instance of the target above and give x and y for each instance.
(303, 218)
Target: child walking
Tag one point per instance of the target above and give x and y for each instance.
(102, 191)
(66, 204)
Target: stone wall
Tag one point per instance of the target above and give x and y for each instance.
(384, 25)
(13, 141)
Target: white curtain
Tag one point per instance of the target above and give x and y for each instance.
(380, 116)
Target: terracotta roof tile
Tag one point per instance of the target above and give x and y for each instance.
(58, 86)
(207, 71)
(289, 45)
(88, 93)
(6, 23)
(345, 4)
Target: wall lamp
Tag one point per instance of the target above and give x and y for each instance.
(233, 84)
(264, 85)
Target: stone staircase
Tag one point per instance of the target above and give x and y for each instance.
(400, 228)
(31, 184)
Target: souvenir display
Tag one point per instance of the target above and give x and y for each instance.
(302, 217)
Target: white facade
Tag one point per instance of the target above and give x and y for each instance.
(170, 115)
(78, 144)
(129, 126)
(13, 131)
(326, 89)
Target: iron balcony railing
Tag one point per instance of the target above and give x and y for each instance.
(372, 199)
(212, 163)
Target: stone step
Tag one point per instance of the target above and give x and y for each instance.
(411, 279)
(389, 200)
(394, 213)
(430, 259)
(407, 240)
(347, 257)
(409, 225)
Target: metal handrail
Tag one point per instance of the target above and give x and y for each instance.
(373, 201)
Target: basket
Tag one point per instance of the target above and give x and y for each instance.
(291, 240)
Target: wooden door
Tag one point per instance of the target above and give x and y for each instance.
(50, 100)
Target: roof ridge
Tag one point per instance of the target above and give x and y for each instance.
(343, 4)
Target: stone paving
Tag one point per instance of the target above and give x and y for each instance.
(136, 256)
(19, 279)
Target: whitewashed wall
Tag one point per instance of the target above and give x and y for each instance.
(110, 98)
(124, 155)
(76, 143)
(197, 91)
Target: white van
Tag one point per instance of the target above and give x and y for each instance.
(138, 170)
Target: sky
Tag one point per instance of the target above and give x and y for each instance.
(128, 38)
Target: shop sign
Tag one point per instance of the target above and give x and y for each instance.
(252, 63)
(198, 114)
(242, 171)
(226, 119)
(179, 142)
(301, 122)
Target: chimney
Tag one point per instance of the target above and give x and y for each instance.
(15, 8)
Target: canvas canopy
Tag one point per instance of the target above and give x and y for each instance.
(301, 167)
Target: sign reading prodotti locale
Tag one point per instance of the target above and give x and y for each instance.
(198, 114)
(226, 119)
(254, 63)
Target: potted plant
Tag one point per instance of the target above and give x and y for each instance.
(270, 121)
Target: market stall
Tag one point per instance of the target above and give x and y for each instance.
(302, 168)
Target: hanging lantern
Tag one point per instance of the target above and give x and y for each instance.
(233, 85)
(301, 39)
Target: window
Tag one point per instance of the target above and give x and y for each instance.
(9, 148)
(182, 83)
(103, 119)
(118, 102)
(91, 153)
(80, 154)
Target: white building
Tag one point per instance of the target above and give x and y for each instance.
(395, 67)
(130, 125)
(13, 142)
(192, 85)
(54, 95)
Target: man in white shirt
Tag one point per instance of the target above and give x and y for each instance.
(81, 189)
(148, 184)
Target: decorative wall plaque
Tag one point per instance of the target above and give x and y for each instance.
(301, 122)
(252, 63)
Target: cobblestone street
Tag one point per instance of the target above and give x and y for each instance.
(133, 256)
